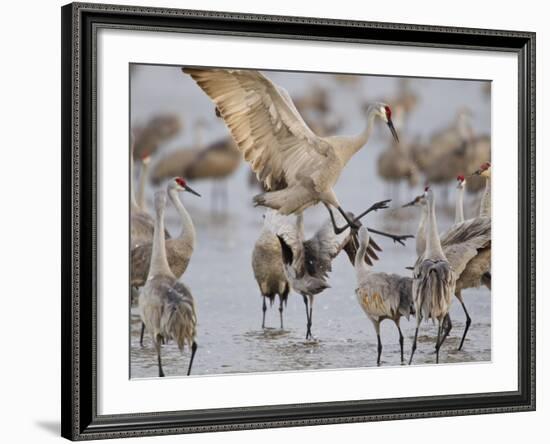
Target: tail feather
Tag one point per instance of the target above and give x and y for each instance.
(179, 322)
(433, 289)
(286, 201)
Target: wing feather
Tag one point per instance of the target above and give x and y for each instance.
(265, 125)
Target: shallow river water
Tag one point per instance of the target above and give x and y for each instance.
(228, 301)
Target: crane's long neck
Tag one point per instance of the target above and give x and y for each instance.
(353, 144)
(141, 189)
(433, 244)
(421, 232)
(187, 233)
(133, 202)
(361, 267)
(159, 261)
(485, 208)
(459, 209)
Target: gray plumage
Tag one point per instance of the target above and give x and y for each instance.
(307, 263)
(296, 166)
(467, 247)
(267, 265)
(381, 295)
(485, 172)
(178, 250)
(433, 280)
(166, 306)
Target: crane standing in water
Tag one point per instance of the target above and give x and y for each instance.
(434, 280)
(381, 295)
(166, 305)
(177, 250)
(267, 264)
(467, 246)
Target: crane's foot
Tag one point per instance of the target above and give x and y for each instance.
(398, 238)
(355, 224)
(382, 205)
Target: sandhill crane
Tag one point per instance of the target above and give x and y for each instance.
(381, 295)
(452, 151)
(178, 249)
(455, 136)
(217, 161)
(307, 263)
(402, 103)
(433, 280)
(476, 152)
(298, 167)
(459, 209)
(157, 131)
(485, 206)
(267, 264)
(467, 246)
(167, 306)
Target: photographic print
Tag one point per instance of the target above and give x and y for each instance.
(295, 211)
(294, 221)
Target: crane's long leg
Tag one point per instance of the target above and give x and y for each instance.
(281, 297)
(400, 339)
(437, 344)
(310, 317)
(193, 351)
(350, 223)
(354, 223)
(142, 333)
(308, 324)
(400, 239)
(157, 346)
(379, 348)
(418, 320)
(446, 328)
(468, 319)
(264, 308)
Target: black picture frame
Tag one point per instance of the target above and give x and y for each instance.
(79, 174)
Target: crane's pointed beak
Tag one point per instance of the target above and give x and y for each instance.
(475, 173)
(410, 204)
(393, 132)
(191, 190)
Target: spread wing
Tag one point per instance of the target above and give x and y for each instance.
(463, 241)
(265, 125)
(324, 246)
(477, 230)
